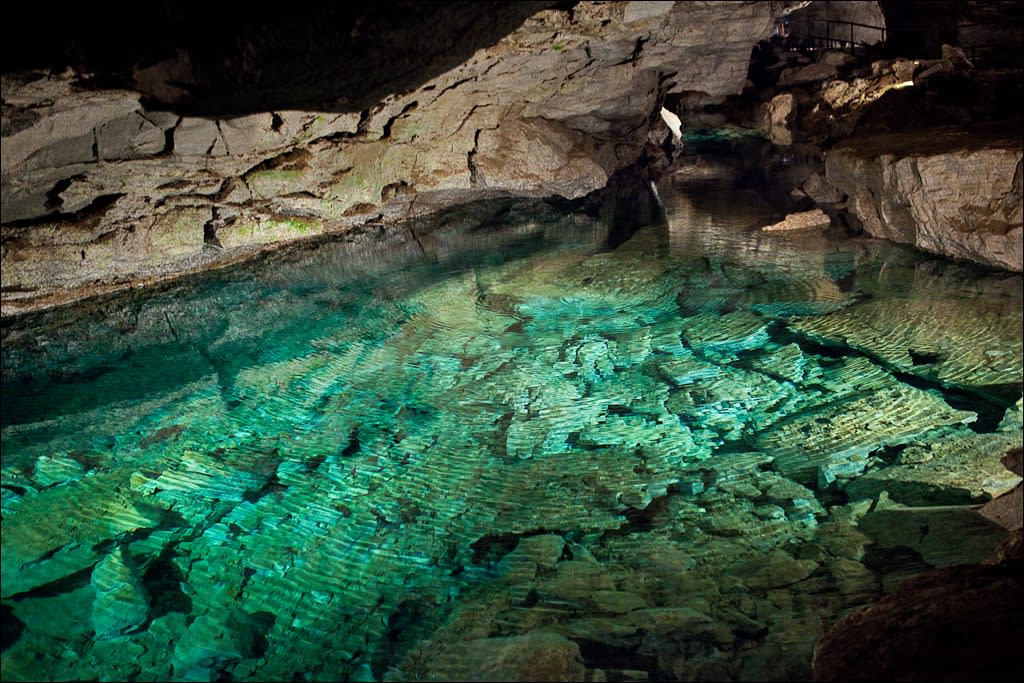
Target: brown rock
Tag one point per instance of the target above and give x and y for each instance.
(536, 656)
(954, 624)
(805, 220)
(938, 190)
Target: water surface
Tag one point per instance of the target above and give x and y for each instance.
(376, 461)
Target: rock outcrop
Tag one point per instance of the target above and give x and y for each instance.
(948, 625)
(944, 191)
(98, 187)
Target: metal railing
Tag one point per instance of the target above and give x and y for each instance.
(841, 35)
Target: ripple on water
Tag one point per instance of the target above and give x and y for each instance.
(683, 412)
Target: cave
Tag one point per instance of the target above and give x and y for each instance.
(597, 341)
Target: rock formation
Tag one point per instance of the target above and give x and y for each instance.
(99, 188)
(942, 191)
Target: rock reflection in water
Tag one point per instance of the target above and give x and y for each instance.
(681, 458)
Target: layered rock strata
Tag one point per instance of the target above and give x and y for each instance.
(945, 192)
(99, 188)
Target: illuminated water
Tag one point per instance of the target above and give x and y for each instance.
(321, 469)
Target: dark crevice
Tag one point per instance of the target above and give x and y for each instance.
(923, 357)
(210, 232)
(169, 137)
(65, 584)
(209, 150)
(456, 84)
(990, 412)
(474, 175)
(603, 656)
(53, 198)
(353, 445)
(292, 160)
(273, 486)
(276, 122)
(641, 519)
(11, 627)
(163, 580)
(490, 548)
(989, 403)
(386, 133)
(364, 122)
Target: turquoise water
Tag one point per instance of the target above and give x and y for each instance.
(387, 458)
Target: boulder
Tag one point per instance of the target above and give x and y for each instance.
(212, 643)
(943, 191)
(538, 156)
(777, 117)
(121, 605)
(811, 73)
(804, 220)
(535, 656)
(953, 624)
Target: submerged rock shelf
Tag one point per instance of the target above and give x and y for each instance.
(681, 458)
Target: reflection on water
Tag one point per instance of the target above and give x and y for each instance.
(373, 463)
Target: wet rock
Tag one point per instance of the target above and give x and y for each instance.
(945, 625)
(536, 656)
(857, 584)
(545, 549)
(121, 605)
(48, 548)
(213, 643)
(942, 536)
(804, 220)
(576, 579)
(618, 602)
(56, 469)
(959, 469)
(777, 117)
(66, 615)
(776, 570)
(1006, 509)
(943, 193)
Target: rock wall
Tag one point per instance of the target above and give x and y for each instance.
(98, 189)
(944, 192)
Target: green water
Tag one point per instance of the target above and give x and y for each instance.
(376, 462)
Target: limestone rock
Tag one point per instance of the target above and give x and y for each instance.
(121, 604)
(946, 625)
(582, 114)
(943, 535)
(816, 187)
(212, 643)
(776, 570)
(546, 549)
(777, 118)
(535, 656)
(804, 220)
(617, 602)
(577, 579)
(811, 73)
(964, 202)
(959, 469)
(537, 155)
(1006, 509)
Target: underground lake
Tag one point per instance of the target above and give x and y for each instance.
(681, 450)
